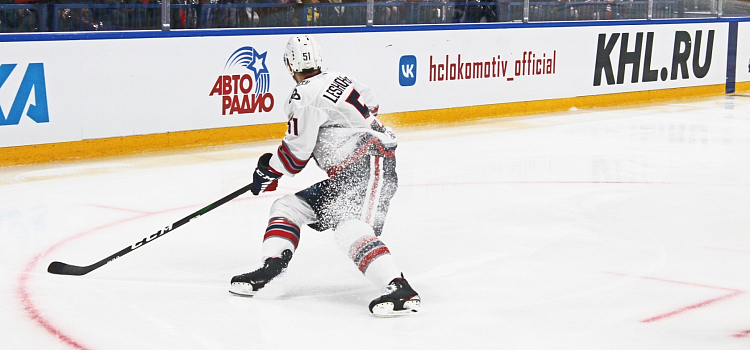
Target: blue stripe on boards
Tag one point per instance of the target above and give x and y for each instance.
(732, 58)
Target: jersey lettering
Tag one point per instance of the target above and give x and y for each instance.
(353, 100)
(336, 89)
(292, 127)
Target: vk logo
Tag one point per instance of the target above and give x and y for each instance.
(33, 78)
(407, 75)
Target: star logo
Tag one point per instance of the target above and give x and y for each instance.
(259, 64)
(255, 62)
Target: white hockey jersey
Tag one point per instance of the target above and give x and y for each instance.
(333, 119)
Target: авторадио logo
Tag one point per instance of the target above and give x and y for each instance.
(407, 70)
(33, 78)
(235, 86)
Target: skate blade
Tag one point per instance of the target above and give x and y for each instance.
(242, 290)
(386, 309)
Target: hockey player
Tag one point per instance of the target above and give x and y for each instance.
(332, 119)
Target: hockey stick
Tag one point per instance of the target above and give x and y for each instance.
(60, 268)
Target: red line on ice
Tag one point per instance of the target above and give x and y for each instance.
(34, 313)
(692, 307)
(734, 293)
(691, 284)
(25, 297)
(23, 290)
(120, 209)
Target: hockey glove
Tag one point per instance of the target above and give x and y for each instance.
(265, 179)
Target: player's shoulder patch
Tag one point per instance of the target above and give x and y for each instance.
(295, 96)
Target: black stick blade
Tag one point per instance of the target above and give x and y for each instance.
(60, 268)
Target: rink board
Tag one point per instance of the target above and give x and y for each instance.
(141, 91)
(743, 57)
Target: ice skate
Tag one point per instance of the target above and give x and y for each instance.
(397, 300)
(248, 284)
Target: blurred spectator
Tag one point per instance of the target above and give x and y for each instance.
(474, 11)
(386, 14)
(234, 14)
(85, 20)
(355, 15)
(183, 17)
(463, 11)
(248, 16)
(24, 20)
(437, 14)
(608, 9)
(488, 11)
(20, 20)
(312, 13)
(146, 14)
(272, 16)
(112, 17)
(331, 15)
(573, 13)
(306, 15)
(209, 17)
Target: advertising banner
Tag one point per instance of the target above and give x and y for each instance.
(57, 91)
(466, 68)
(70, 90)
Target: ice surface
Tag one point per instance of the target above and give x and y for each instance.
(588, 229)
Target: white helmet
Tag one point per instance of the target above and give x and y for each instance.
(302, 52)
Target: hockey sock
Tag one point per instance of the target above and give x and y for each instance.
(368, 252)
(288, 214)
(281, 234)
(382, 270)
